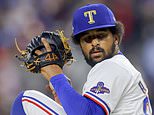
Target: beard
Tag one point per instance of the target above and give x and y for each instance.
(92, 62)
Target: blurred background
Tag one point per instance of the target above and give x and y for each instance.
(24, 19)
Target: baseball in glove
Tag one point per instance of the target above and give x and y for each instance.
(60, 54)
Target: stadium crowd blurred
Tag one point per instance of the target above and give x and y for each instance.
(24, 19)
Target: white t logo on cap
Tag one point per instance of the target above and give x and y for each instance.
(90, 14)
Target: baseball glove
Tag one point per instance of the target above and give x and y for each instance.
(60, 54)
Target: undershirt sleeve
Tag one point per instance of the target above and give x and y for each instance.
(17, 108)
(72, 102)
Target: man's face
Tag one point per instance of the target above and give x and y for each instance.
(97, 45)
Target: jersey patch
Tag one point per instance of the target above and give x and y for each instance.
(100, 89)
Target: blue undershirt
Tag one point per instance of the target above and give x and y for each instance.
(17, 108)
(72, 102)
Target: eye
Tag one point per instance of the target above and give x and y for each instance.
(101, 36)
(87, 39)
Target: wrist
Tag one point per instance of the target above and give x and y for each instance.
(50, 71)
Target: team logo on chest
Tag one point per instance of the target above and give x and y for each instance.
(100, 89)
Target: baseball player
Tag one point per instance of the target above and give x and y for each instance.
(113, 86)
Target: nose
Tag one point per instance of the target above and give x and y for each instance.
(95, 42)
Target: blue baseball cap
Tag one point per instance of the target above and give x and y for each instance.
(92, 16)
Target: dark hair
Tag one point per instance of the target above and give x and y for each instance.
(116, 30)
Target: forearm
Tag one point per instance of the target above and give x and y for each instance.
(72, 102)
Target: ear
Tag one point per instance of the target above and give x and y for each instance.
(116, 40)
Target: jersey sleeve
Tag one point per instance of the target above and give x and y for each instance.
(106, 84)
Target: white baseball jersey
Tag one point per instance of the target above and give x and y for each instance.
(118, 87)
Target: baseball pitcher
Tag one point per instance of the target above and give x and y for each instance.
(113, 86)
